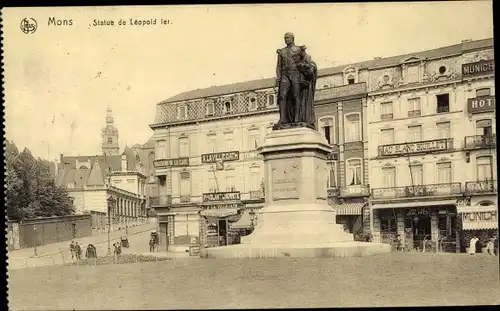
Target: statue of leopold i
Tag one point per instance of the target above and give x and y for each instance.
(296, 83)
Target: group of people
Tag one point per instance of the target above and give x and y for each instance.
(76, 251)
(489, 243)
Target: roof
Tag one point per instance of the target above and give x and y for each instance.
(374, 63)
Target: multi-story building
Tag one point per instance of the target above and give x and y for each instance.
(431, 126)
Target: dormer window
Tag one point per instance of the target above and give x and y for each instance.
(182, 112)
(252, 103)
(412, 74)
(227, 107)
(350, 80)
(210, 109)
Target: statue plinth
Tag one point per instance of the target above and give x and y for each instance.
(296, 220)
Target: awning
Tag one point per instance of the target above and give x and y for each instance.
(219, 213)
(414, 204)
(479, 218)
(348, 209)
(245, 222)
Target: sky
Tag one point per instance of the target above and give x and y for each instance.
(60, 80)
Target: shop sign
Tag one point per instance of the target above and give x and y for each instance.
(340, 91)
(417, 147)
(221, 196)
(481, 104)
(178, 162)
(478, 68)
(417, 212)
(222, 206)
(490, 216)
(220, 156)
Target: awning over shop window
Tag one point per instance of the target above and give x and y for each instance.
(219, 213)
(348, 209)
(245, 222)
(414, 204)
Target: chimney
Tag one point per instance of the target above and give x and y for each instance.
(124, 163)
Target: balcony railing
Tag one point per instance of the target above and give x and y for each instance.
(426, 146)
(414, 113)
(355, 190)
(333, 192)
(431, 190)
(386, 116)
(442, 109)
(480, 142)
(161, 200)
(257, 194)
(481, 187)
(185, 198)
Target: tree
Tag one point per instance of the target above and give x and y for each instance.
(30, 189)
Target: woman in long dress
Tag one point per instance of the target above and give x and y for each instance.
(472, 245)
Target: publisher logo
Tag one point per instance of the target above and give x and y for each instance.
(28, 25)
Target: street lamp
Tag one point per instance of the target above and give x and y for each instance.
(34, 239)
(111, 203)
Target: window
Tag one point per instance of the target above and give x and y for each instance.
(350, 80)
(483, 128)
(185, 184)
(483, 92)
(110, 140)
(211, 144)
(354, 172)
(389, 174)
(417, 174)
(442, 70)
(253, 141)
(151, 158)
(387, 136)
(414, 109)
(414, 133)
(183, 147)
(352, 127)
(386, 112)
(212, 183)
(230, 180)
(161, 151)
(332, 179)
(412, 74)
(228, 144)
(443, 130)
(326, 127)
(210, 110)
(255, 178)
(182, 112)
(271, 100)
(443, 103)
(252, 103)
(227, 107)
(484, 168)
(444, 173)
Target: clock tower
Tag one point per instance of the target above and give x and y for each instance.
(110, 136)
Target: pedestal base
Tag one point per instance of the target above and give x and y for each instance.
(330, 250)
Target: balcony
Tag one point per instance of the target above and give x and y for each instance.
(162, 200)
(481, 187)
(480, 142)
(185, 198)
(355, 191)
(427, 146)
(256, 195)
(443, 109)
(333, 192)
(418, 191)
(386, 116)
(414, 113)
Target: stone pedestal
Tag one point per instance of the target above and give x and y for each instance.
(296, 220)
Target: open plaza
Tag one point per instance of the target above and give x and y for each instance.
(392, 279)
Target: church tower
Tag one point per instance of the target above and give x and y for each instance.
(110, 136)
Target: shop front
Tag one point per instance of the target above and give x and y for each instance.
(480, 218)
(218, 212)
(178, 229)
(418, 225)
(350, 216)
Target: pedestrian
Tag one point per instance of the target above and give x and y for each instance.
(152, 244)
(91, 254)
(117, 251)
(490, 246)
(78, 251)
(472, 245)
(72, 250)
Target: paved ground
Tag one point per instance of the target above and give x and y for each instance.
(50, 254)
(395, 279)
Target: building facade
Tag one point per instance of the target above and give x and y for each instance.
(431, 138)
(399, 128)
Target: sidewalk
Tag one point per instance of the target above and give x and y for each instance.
(51, 249)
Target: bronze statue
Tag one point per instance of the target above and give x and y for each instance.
(296, 83)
